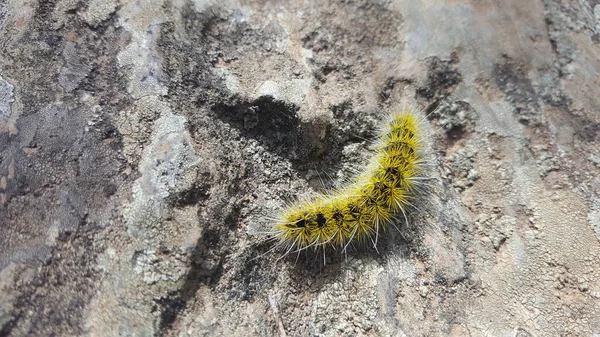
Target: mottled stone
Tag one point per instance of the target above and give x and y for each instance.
(146, 146)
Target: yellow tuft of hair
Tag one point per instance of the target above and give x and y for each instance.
(370, 203)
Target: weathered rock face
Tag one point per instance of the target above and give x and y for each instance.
(145, 144)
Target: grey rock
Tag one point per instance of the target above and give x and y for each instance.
(6, 98)
(146, 146)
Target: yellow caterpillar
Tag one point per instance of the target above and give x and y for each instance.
(370, 203)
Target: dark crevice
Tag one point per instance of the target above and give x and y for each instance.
(197, 193)
(276, 126)
(442, 77)
(272, 122)
(8, 327)
(518, 90)
(176, 302)
(587, 130)
(208, 257)
(387, 89)
(43, 13)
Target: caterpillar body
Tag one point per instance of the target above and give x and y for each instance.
(370, 203)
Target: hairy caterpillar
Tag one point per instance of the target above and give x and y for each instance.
(370, 202)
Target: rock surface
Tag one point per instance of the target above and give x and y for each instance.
(145, 144)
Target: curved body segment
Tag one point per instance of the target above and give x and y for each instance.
(370, 203)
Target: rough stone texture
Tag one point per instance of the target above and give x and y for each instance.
(144, 145)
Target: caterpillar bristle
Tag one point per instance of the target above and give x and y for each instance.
(370, 203)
